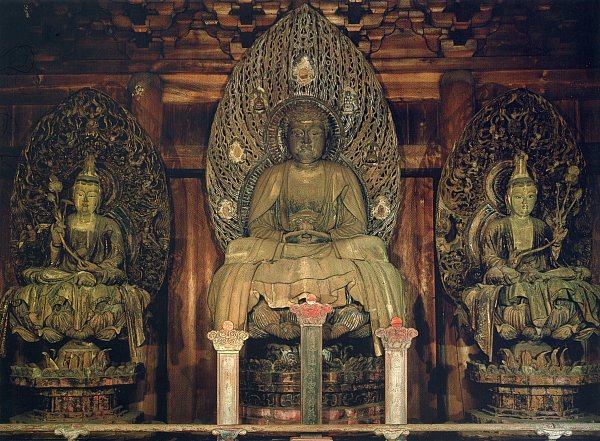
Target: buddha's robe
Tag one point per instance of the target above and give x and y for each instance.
(561, 284)
(52, 306)
(351, 266)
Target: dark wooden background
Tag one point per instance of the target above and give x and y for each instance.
(431, 99)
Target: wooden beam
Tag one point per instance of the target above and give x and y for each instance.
(553, 84)
(193, 88)
(415, 86)
(585, 429)
(389, 65)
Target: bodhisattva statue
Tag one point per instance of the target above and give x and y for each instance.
(525, 294)
(307, 235)
(83, 290)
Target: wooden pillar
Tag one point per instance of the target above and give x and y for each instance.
(228, 342)
(145, 101)
(457, 106)
(196, 257)
(412, 251)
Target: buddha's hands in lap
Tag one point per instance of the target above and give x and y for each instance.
(306, 237)
(85, 278)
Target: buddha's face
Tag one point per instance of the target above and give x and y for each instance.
(86, 197)
(306, 139)
(522, 199)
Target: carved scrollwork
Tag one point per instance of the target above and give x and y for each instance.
(393, 434)
(303, 55)
(71, 434)
(311, 313)
(475, 177)
(134, 191)
(228, 339)
(396, 336)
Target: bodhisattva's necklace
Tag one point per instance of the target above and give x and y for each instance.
(86, 223)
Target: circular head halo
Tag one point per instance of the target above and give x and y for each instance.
(497, 181)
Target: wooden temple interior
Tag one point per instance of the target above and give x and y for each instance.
(167, 61)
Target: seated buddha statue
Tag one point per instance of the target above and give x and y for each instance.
(526, 294)
(307, 235)
(83, 290)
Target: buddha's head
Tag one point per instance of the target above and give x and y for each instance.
(306, 132)
(521, 195)
(86, 190)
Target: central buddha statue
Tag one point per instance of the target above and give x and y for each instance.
(307, 235)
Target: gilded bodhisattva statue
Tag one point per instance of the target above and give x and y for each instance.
(307, 235)
(83, 291)
(525, 293)
(89, 228)
(513, 234)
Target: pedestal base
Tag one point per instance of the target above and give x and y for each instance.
(486, 416)
(76, 395)
(353, 389)
(532, 393)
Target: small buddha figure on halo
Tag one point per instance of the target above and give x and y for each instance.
(525, 294)
(83, 290)
(307, 235)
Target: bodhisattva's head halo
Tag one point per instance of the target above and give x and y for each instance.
(498, 179)
(308, 108)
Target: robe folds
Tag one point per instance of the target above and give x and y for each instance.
(351, 266)
(53, 306)
(560, 283)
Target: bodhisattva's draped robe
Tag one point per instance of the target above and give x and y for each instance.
(52, 306)
(541, 295)
(353, 265)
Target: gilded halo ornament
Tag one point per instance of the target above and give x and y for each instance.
(303, 71)
(236, 152)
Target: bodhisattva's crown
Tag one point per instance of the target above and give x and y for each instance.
(520, 171)
(88, 174)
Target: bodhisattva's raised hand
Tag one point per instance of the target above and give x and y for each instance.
(57, 232)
